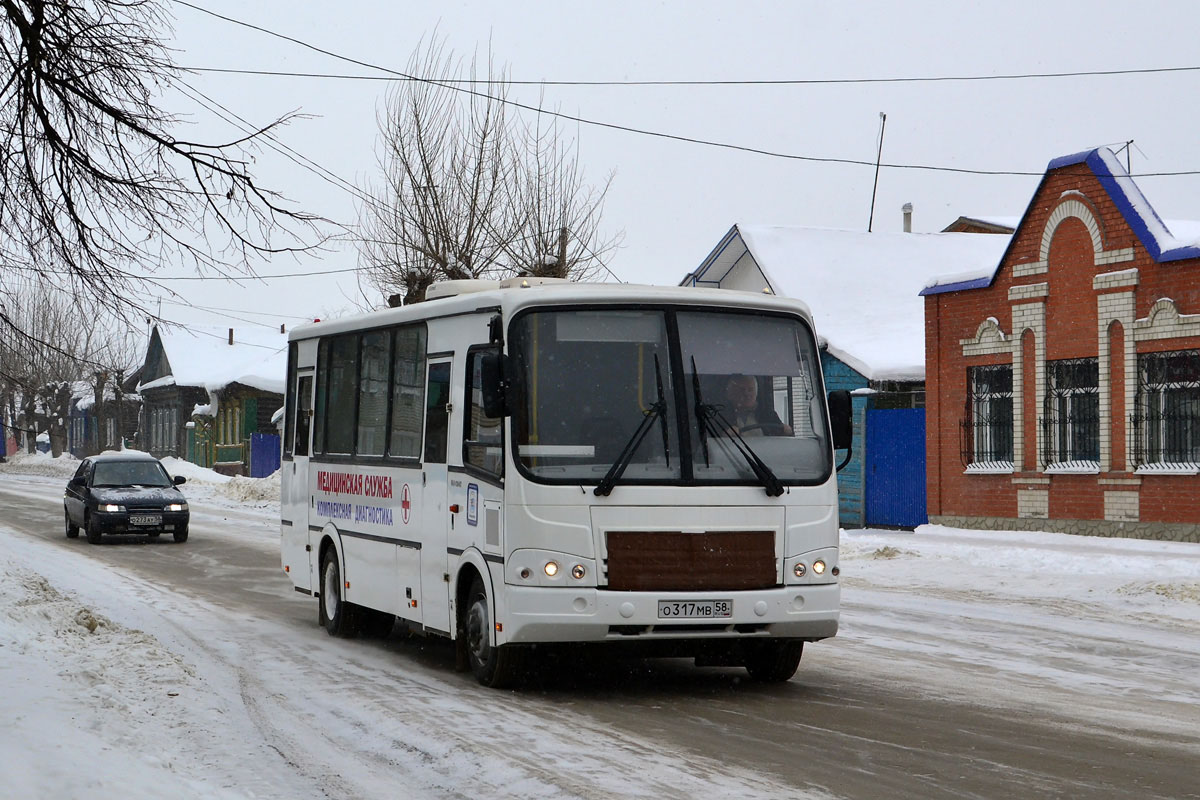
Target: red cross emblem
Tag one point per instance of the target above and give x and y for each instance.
(405, 503)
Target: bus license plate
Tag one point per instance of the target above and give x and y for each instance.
(694, 609)
(145, 519)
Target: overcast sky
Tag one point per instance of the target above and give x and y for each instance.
(674, 200)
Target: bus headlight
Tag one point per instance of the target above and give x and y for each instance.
(578, 571)
(819, 567)
(799, 569)
(551, 568)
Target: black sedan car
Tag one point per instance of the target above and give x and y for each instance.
(125, 493)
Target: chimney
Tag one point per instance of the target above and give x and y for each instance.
(231, 337)
(907, 209)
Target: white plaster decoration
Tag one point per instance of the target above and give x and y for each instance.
(1118, 256)
(1021, 480)
(1114, 307)
(1073, 468)
(1066, 210)
(989, 340)
(1031, 317)
(1115, 280)
(989, 468)
(1033, 503)
(1168, 469)
(1121, 507)
(1031, 268)
(1029, 291)
(1165, 322)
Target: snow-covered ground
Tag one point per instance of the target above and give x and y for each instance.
(115, 687)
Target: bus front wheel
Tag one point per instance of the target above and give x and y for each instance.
(773, 660)
(493, 666)
(336, 615)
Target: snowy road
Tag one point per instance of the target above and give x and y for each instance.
(968, 665)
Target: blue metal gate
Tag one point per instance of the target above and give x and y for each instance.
(895, 467)
(264, 454)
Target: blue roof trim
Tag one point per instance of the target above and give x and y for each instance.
(974, 283)
(1127, 205)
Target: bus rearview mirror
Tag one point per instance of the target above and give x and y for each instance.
(841, 419)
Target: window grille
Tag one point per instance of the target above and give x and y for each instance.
(1165, 424)
(987, 427)
(1071, 414)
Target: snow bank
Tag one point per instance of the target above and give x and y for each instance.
(42, 464)
(80, 688)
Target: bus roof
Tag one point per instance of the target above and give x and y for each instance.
(514, 297)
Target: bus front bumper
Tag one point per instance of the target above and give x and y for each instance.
(554, 614)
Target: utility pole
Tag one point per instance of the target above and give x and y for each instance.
(878, 158)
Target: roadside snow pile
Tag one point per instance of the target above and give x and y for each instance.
(42, 464)
(1125, 574)
(177, 466)
(79, 687)
(255, 491)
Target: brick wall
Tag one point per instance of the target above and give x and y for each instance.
(1075, 283)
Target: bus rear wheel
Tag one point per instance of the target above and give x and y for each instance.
(773, 660)
(495, 667)
(336, 615)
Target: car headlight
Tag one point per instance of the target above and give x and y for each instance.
(111, 507)
(177, 507)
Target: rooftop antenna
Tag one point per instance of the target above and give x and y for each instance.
(878, 158)
(1127, 148)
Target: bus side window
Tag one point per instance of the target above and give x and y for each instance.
(437, 413)
(303, 415)
(483, 443)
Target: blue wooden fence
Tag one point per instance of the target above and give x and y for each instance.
(264, 454)
(895, 467)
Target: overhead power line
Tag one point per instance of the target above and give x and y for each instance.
(640, 131)
(1016, 76)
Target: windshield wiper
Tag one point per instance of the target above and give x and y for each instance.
(709, 416)
(658, 411)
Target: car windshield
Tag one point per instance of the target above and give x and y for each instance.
(747, 402)
(130, 473)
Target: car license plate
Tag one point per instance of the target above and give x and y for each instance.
(694, 609)
(145, 519)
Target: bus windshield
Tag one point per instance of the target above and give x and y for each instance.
(734, 397)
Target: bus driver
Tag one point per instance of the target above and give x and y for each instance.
(746, 415)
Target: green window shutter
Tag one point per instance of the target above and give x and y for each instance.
(249, 416)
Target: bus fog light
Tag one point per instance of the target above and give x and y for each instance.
(799, 569)
(819, 567)
(551, 568)
(525, 573)
(577, 572)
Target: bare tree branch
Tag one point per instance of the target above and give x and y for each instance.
(466, 192)
(96, 182)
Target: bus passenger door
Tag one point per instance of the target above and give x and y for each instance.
(296, 494)
(435, 514)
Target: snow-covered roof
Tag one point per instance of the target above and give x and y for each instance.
(1164, 241)
(863, 288)
(201, 356)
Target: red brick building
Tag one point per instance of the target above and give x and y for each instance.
(1063, 388)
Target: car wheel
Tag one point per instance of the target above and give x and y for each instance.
(181, 534)
(773, 661)
(337, 616)
(93, 530)
(496, 667)
(72, 530)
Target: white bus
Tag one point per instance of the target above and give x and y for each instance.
(510, 465)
